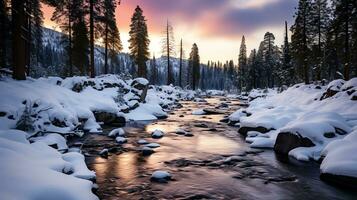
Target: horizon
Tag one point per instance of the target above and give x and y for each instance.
(223, 33)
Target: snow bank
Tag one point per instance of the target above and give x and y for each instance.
(340, 156)
(36, 171)
(63, 105)
(320, 113)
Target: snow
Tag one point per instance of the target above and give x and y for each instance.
(79, 168)
(161, 175)
(121, 140)
(152, 145)
(157, 134)
(53, 139)
(117, 132)
(36, 171)
(198, 112)
(142, 141)
(340, 156)
(301, 110)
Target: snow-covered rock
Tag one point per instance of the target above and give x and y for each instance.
(79, 167)
(36, 171)
(302, 118)
(160, 176)
(157, 134)
(152, 145)
(54, 140)
(146, 151)
(121, 140)
(117, 132)
(143, 141)
(340, 156)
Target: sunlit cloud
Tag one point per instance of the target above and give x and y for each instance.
(215, 25)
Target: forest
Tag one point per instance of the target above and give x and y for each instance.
(322, 45)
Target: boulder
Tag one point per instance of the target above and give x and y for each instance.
(121, 140)
(340, 180)
(286, 142)
(147, 151)
(209, 111)
(160, 176)
(142, 86)
(104, 153)
(109, 118)
(157, 134)
(244, 130)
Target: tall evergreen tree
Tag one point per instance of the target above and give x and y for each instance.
(80, 38)
(194, 63)
(153, 70)
(301, 37)
(344, 18)
(139, 41)
(4, 35)
(321, 20)
(34, 33)
(19, 34)
(168, 50)
(94, 13)
(287, 68)
(64, 16)
(181, 64)
(242, 63)
(110, 34)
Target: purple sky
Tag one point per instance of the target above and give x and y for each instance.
(215, 25)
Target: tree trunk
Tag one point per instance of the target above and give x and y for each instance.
(70, 41)
(106, 49)
(91, 30)
(18, 39)
(180, 72)
(319, 44)
(169, 79)
(347, 49)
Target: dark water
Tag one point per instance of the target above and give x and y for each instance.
(199, 164)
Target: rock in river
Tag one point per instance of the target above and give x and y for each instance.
(286, 142)
(157, 134)
(160, 176)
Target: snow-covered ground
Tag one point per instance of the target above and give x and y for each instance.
(303, 121)
(37, 114)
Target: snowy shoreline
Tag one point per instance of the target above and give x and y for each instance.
(306, 122)
(37, 115)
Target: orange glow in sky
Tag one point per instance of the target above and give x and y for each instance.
(216, 26)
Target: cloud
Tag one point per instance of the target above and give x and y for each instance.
(217, 17)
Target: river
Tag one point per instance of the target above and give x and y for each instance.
(215, 163)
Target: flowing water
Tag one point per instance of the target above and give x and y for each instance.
(201, 166)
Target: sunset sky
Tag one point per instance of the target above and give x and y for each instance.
(215, 25)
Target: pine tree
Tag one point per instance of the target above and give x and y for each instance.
(168, 50)
(242, 63)
(139, 41)
(321, 19)
(194, 63)
(301, 37)
(4, 35)
(80, 38)
(252, 73)
(153, 70)
(19, 19)
(287, 68)
(345, 11)
(181, 64)
(95, 7)
(34, 33)
(64, 16)
(110, 34)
